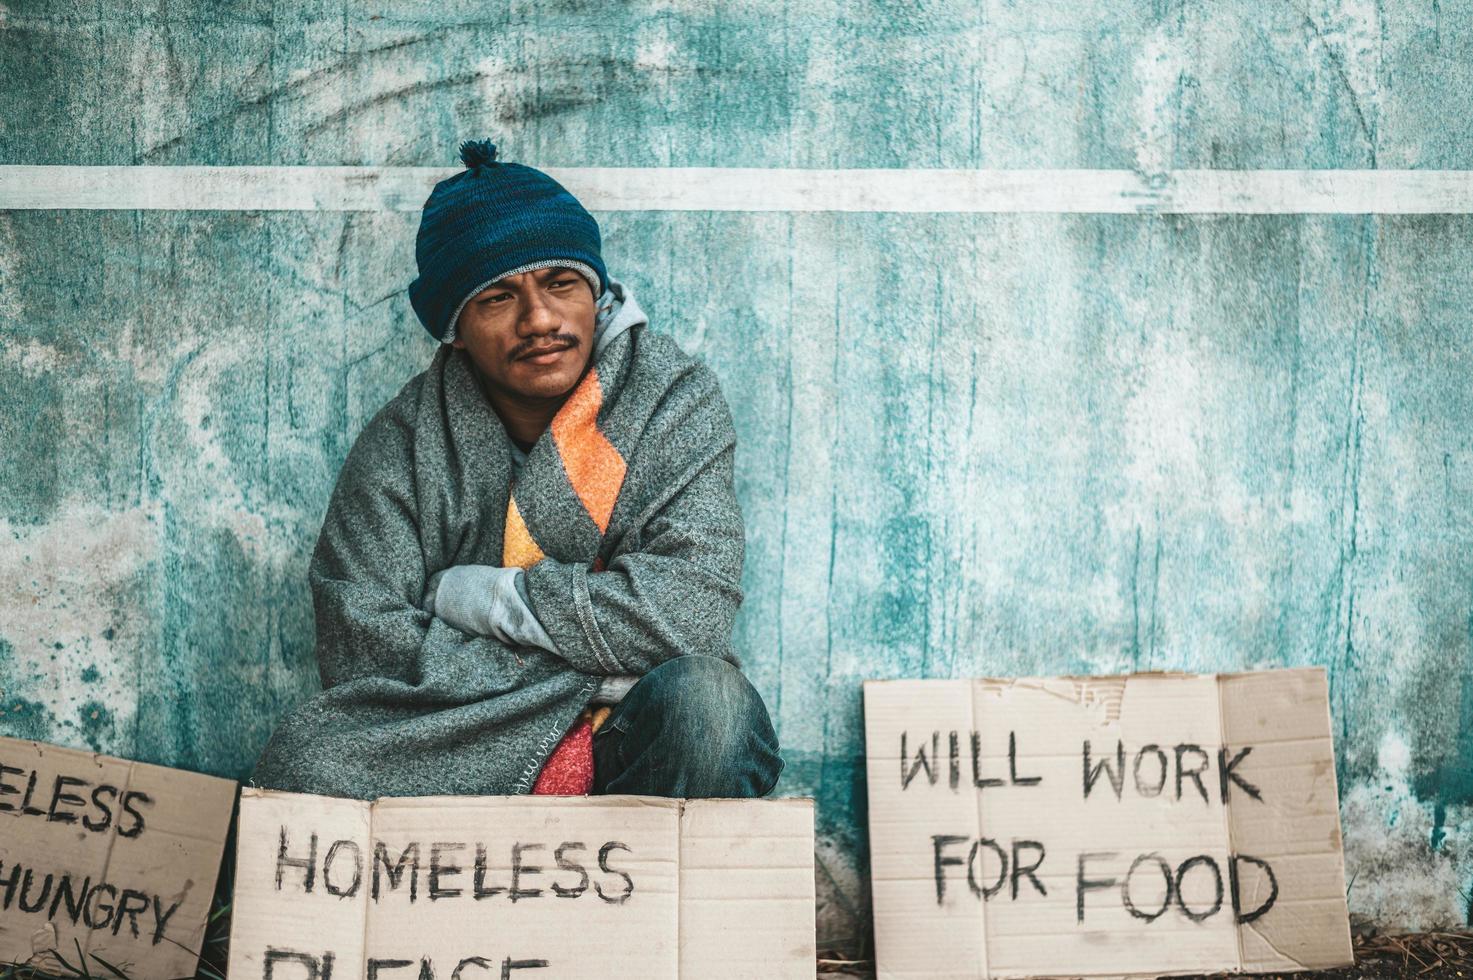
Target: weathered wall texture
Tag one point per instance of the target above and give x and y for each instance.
(970, 444)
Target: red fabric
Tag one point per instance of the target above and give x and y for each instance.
(569, 770)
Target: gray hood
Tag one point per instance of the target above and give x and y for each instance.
(617, 312)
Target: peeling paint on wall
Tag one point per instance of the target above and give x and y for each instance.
(76, 596)
(1404, 867)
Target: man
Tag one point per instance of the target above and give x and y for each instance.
(529, 568)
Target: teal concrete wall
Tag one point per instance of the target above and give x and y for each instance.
(969, 444)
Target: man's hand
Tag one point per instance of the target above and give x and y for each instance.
(483, 600)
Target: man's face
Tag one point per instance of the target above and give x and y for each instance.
(530, 334)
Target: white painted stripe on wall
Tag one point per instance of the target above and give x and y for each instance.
(756, 189)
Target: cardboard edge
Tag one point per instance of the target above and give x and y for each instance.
(523, 800)
(43, 749)
(1035, 679)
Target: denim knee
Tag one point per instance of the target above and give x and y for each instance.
(705, 694)
(712, 717)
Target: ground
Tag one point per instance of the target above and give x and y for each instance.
(1425, 956)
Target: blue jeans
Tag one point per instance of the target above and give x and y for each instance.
(693, 727)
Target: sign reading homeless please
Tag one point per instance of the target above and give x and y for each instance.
(464, 888)
(116, 858)
(1104, 825)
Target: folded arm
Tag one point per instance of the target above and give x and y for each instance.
(673, 585)
(368, 582)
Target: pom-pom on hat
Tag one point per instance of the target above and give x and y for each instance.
(495, 219)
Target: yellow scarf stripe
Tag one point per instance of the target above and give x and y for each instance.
(518, 550)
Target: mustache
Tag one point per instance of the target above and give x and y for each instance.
(551, 341)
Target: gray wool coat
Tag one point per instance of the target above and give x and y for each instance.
(412, 706)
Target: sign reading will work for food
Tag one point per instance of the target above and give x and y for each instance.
(1104, 826)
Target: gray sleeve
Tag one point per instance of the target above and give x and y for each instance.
(612, 688)
(488, 600)
(531, 632)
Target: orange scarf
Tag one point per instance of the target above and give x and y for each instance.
(596, 471)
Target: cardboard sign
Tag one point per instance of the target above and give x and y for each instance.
(116, 857)
(1104, 826)
(541, 887)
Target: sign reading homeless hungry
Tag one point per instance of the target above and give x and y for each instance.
(114, 858)
(1104, 826)
(535, 887)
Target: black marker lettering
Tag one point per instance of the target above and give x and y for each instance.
(75, 898)
(91, 909)
(1181, 900)
(977, 779)
(985, 892)
(127, 906)
(329, 862)
(1195, 775)
(9, 885)
(603, 863)
(307, 864)
(921, 761)
(161, 919)
(1225, 774)
(1083, 884)
(128, 799)
(480, 961)
(478, 884)
(1016, 779)
(1020, 871)
(6, 789)
(566, 864)
(1115, 773)
(25, 889)
(1125, 896)
(1273, 888)
(316, 969)
(939, 863)
(1142, 788)
(518, 869)
(59, 796)
(97, 826)
(25, 802)
(438, 870)
(410, 854)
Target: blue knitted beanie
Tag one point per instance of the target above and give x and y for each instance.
(495, 219)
